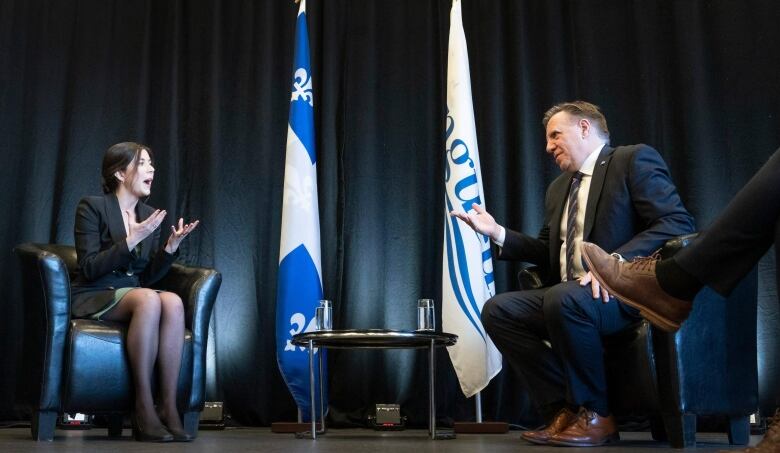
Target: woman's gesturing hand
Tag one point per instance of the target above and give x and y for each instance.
(178, 234)
(137, 232)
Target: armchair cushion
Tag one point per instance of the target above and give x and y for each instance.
(98, 376)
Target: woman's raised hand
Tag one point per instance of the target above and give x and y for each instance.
(137, 232)
(178, 234)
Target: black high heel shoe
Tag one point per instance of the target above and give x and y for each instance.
(180, 435)
(157, 435)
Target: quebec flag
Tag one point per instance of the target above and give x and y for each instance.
(467, 267)
(299, 288)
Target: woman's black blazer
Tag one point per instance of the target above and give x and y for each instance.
(105, 263)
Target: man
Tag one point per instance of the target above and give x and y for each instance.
(719, 258)
(620, 198)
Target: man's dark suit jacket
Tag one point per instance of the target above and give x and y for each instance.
(105, 263)
(633, 208)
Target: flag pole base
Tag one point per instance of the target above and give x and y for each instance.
(289, 427)
(481, 428)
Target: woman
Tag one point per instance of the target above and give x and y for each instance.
(117, 243)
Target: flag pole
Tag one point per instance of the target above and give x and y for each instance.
(479, 426)
(478, 404)
(467, 266)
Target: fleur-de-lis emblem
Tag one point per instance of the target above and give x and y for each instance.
(297, 322)
(302, 87)
(298, 189)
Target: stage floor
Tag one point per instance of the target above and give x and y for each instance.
(14, 440)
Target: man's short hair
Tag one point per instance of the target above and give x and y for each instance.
(580, 109)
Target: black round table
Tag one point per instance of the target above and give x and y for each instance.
(375, 339)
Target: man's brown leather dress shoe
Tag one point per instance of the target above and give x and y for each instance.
(635, 284)
(561, 421)
(589, 430)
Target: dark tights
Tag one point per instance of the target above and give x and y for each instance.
(155, 335)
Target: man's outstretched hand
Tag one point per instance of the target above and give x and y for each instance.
(481, 221)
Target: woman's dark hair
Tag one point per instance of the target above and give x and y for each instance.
(117, 158)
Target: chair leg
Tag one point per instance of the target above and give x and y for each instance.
(657, 429)
(191, 420)
(681, 430)
(739, 430)
(42, 425)
(115, 424)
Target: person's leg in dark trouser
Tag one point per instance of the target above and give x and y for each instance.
(515, 323)
(576, 322)
(723, 254)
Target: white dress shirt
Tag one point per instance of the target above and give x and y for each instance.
(582, 197)
(582, 204)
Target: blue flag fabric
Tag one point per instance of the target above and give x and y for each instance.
(299, 287)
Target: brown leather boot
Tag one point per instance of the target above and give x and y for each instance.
(589, 430)
(561, 421)
(634, 283)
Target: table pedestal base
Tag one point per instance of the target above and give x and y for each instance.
(375, 339)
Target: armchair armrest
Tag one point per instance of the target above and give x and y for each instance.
(46, 315)
(529, 278)
(198, 289)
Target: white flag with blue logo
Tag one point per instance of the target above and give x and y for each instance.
(299, 287)
(467, 268)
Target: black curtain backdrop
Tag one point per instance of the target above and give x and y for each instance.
(206, 83)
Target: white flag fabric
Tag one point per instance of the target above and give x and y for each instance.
(299, 287)
(467, 266)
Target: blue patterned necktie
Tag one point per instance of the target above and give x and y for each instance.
(571, 224)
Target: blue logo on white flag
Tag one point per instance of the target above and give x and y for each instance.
(467, 265)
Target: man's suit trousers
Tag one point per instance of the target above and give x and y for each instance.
(551, 337)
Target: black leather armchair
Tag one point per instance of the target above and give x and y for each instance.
(80, 365)
(707, 368)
